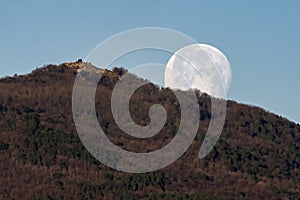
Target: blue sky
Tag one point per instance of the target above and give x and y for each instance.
(260, 38)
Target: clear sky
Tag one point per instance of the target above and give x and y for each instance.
(260, 38)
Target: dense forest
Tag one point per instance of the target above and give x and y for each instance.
(42, 157)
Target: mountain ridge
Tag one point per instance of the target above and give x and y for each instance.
(75, 66)
(256, 157)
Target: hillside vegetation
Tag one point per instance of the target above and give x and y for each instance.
(42, 157)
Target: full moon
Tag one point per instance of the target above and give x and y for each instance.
(199, 66)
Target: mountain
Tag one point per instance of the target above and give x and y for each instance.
(42, 157)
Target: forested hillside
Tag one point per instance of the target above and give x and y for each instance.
(42, 157)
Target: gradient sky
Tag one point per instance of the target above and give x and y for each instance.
(260, 38)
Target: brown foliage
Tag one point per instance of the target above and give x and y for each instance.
(257, 156)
